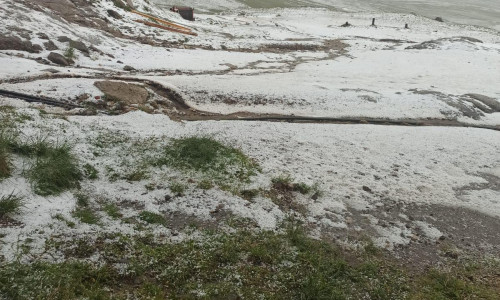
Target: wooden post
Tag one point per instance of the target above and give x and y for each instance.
(373, 22)
(406, 26)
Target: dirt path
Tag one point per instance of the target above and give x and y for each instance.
(184, 112)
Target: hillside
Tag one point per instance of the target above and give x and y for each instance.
(267, 153)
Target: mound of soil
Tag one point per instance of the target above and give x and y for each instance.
(124, 92)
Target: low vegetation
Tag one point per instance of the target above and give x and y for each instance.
(244, 265)
(177, 188)
(86, 215)
(10, 204)
(5, 164)
(112, 210)
(222, 164)
(69, 53)
(152, 218)
(55, 170)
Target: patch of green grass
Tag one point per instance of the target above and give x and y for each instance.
(137, 175)
(245, 265)
(249, 194)
(86, 215)
(82, 199)
(303, 188)
(71, 280)
(210, 158)
(441, 286)
(178, 188)
(282, 179)
(90, 172)
(112, 210)
(287, 182)
(152, 218)
(107, 139)
(55, 170)
(5, 164)
(61, 218)
(205, 184)
(10, 204)
(69, 53)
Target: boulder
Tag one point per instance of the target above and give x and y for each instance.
(128, 68)
(58, 59)
(15, 43)
(114, 14)
(43, 36)
(63, 39)
(79, 46)
(50, 46)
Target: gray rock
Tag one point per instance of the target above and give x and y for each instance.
(128, 68)
(15, 43)
(43, 36)
(53, 71)
(63, 39)
(58, 59)
(439, 19)
(114, 14)
(79, 46)
(50, 46)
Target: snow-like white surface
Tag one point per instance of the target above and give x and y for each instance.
(376, 76)
(406, 165)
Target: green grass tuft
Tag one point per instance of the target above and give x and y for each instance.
(69, 53)
(112, 210)
(55, 171)
(205, 184)
(10, 204)
(177, 188)
(82, 200)
(86, 215)
(222, 164)
(5, 165)
(152, 218)
(6, 141)
(90, 172)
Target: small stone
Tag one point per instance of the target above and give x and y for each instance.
(128, 68)
(43, 36)
(367, 189)
(439, 19)
(53, 71)
(50, 46)
(79, 46)
(58, 59)
(114, 14)
(63, 39)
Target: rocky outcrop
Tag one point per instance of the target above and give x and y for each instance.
(59, 59)
(114, 14)
(79, 46)
(50, 46)
(15, 43)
